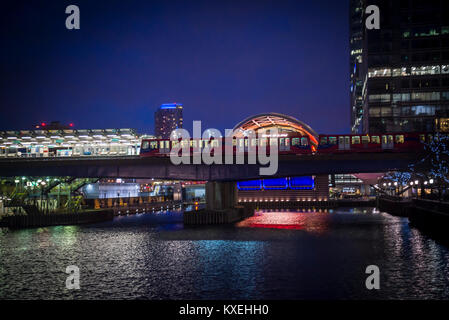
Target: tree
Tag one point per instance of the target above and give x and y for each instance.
(435, 162)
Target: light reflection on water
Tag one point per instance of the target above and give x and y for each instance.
(272, 255)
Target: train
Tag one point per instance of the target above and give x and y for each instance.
(297, 145)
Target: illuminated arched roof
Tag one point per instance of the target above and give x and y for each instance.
(278, 120)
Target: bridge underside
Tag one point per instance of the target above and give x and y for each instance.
(162, 168)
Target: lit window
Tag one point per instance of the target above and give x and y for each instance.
(400, 138)
(295, 141)
(381, 72)
(375, 139)
(445, 69)
(304, 142)
(365, 139)
(332, 140)
(323, 140)
(356, 140)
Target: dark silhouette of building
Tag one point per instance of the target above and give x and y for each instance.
(166, 119)
(400, 73)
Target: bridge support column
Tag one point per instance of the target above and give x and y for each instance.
(221, 206)
(221, 195)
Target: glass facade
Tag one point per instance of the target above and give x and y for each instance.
(404, 69)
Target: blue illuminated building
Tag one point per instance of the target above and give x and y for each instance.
(167, 118)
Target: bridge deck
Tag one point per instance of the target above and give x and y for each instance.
(162, 168)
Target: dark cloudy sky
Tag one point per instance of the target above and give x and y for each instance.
(224, 60)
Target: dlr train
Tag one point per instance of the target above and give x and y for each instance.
(297, 145)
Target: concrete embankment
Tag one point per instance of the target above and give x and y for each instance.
(428, 214)
(55, 219)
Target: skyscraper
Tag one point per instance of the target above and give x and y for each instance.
(166, 119)
(400, 73)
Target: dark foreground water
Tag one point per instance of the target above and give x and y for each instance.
(274, 255)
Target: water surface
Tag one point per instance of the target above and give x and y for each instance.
(273, 255)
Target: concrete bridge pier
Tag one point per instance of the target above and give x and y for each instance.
(221, 195)
(221, 205)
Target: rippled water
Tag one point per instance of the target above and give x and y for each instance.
(273, 255)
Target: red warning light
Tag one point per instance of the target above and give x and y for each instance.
(70, 124)
(43, 124)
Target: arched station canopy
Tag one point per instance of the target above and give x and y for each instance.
(275, 120)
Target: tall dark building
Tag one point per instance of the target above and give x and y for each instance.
(400, 73)
(166, 119)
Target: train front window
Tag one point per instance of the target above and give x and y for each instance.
(332, 140)
(145, 145)
(304, 142)
(356, 140)
(323, 140)
(375, 139)
(400, 138)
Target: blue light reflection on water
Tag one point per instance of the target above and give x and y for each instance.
(273, 255)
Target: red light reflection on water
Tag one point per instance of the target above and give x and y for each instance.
(317, 222)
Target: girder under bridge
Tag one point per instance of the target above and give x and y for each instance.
(163, 168)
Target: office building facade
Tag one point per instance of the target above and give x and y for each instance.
(166, 119)
(400, 73)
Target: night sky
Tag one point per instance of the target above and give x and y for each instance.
(224, 60)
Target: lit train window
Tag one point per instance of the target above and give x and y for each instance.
(174, 144)
(184, 143)
(304, 142)
(365, 139)
(375, 139)
(263, 142)
(145, 145)
(253, 142)
(422, 138)
(282, 141)
(429, 138)
(323, 140)
(214, 143)
(332, 140)
(193, 143)
(234, 142)
(295, 141)
(161, 144)
(153, 145)
(287, 141)
(246, 142)
(167, 144)
(356, 140)
(273, 142)
(400, 138)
